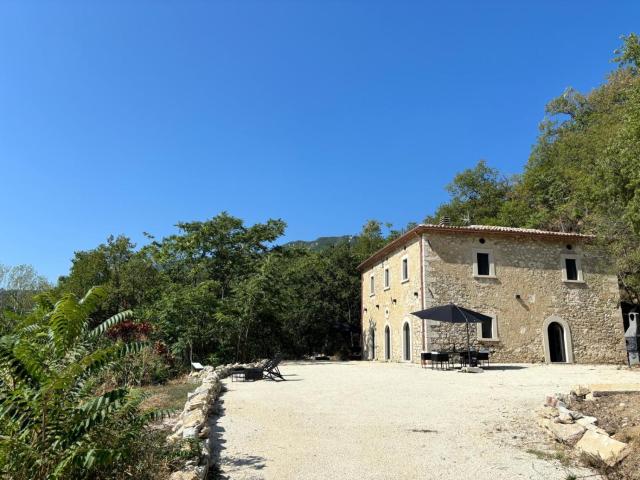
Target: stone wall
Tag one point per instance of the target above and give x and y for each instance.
(391, 307)
(195, 419)
(527, 290)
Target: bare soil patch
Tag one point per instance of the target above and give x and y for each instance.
(619, 416)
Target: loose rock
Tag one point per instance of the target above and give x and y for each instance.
(603, 447)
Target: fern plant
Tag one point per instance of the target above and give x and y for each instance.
(56, 421)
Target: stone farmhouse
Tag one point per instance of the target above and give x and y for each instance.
(552, 296)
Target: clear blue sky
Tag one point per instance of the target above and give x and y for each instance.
(129, 116)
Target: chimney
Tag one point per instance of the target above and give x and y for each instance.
(444, 220)
(632, 339)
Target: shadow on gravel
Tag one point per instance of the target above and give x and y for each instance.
(222, 466)
(504, 367)
(319, 362)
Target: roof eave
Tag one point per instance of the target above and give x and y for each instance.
(420, 229)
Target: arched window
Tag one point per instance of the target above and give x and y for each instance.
(387, 343)
(406, 342)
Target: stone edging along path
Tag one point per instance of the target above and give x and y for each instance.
(193, 422)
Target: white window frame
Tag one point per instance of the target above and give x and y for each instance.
(494, 330)
(372, 285)
(404, 260)
(386, 276)
(578, 260)
(492, 265)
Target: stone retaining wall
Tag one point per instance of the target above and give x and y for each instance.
(194, 421)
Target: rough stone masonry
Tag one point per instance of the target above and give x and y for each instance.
(536, 305)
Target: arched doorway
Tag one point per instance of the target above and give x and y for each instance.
(387, 343)
(406, 342)
(557, 349)
(556, 338)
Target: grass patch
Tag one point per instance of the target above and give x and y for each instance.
(557, 455)
(171, 395)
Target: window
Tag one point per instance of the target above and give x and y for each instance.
(405, 269)
(488, 330)
(483, 265)
(372, 285)
(571, 269)
(387, 278)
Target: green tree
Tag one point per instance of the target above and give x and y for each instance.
(477, 195)
(18, 287)
(129, 277)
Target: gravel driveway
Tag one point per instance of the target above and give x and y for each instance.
(364, 420)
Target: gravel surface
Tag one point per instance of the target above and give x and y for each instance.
(365, 420)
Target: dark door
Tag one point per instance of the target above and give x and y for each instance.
(387, 343)
(556, 342)
(407, 341)
(373, 344)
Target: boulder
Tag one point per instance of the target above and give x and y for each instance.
(580, 390)
(185, 475)
(595, 428)
(565, 412)
(564, 417)
(568, 434)
(194, 418)
(584, 421)
(547, 412)
(556, 400)
(197, 401)
(603, 447)
(551, 401)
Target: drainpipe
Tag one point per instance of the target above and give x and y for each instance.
(424, 334)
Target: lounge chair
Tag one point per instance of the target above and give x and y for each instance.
(271, 369)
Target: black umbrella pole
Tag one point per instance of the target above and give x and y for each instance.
(468, 343)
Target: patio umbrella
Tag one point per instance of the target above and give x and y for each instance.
(453, 314)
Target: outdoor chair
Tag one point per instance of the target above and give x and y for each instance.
(483, 357)
(441, 359)
(464, 358)
(271, 369)
(424, 357)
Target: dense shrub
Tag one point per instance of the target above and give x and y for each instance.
(56, 419)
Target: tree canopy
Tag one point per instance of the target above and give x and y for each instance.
(583, 173)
